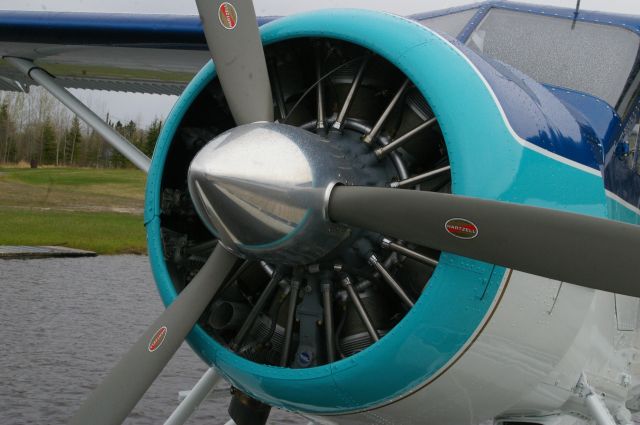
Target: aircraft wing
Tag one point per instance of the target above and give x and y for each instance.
(117, 52)
(156, 54)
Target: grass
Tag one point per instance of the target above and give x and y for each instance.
(102, 232)
(73, 189)
(94, 209)
(75, 176)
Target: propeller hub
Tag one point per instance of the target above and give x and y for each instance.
(263, 188)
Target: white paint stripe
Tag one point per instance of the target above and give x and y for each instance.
(622, 202)
(519, 139)
(555, 156)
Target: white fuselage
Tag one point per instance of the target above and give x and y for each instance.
(526, 359)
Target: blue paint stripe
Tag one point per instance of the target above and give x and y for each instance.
(161, 31)
(538, 116)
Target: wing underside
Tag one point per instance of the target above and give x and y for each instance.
(156, 54)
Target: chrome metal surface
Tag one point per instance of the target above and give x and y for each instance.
(261, 188)
(395, 158)
(267, 268)
(373, 260)
(376, 128)
(389, 244)
(325, 288)
(293, 300)
(337, 125)
(319, 92)
(277, 88)
(362, 312)
(416, 180)
(380, 152)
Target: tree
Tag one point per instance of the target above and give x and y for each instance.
(7, 147)
(37, 127)
(153, 132)
(74, 142)
(48, 143)
(115, 158)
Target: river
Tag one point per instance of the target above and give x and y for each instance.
(66, 322)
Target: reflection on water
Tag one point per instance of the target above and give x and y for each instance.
(64, 324)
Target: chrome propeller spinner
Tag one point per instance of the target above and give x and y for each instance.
(263, 190)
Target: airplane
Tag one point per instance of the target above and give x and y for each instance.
(372, 219)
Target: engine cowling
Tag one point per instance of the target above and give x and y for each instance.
(453, 300)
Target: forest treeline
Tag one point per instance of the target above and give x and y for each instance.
(37, 128)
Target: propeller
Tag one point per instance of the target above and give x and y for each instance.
(579, 249)
(234, 41)
(558, 245)
(118, 393)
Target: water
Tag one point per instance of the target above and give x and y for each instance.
(66, 322)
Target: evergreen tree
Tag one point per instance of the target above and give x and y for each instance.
(115, 158)
(7, 146)
(152, 136)
(37, 128)
(74, 142)
(48, 143)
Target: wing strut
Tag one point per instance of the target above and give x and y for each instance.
(114, 138)
(196, 396)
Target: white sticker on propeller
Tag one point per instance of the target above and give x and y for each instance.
(157, 339)
(228, 16)
(461, 228)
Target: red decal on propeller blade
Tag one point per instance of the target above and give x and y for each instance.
(157, 339)
(461, 228)
(228, 16)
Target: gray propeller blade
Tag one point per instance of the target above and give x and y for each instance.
(587, 251)
(120, 391)
(236, 48)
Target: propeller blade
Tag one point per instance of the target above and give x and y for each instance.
(116, 396)
(579, 249)
(234, 41)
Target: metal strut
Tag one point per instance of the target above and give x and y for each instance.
(595, 404)
(114, 138)
(196, 396)
(386, 276)
(416, 180)
(403, 250)
(362, 312)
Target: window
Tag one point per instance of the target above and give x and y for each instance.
(451, 24)
(627, 148)
(592, 58)
(634, 156)
(632, 140)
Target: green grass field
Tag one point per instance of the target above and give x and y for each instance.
(94, 209)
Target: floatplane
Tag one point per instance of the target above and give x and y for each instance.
(373, 219)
